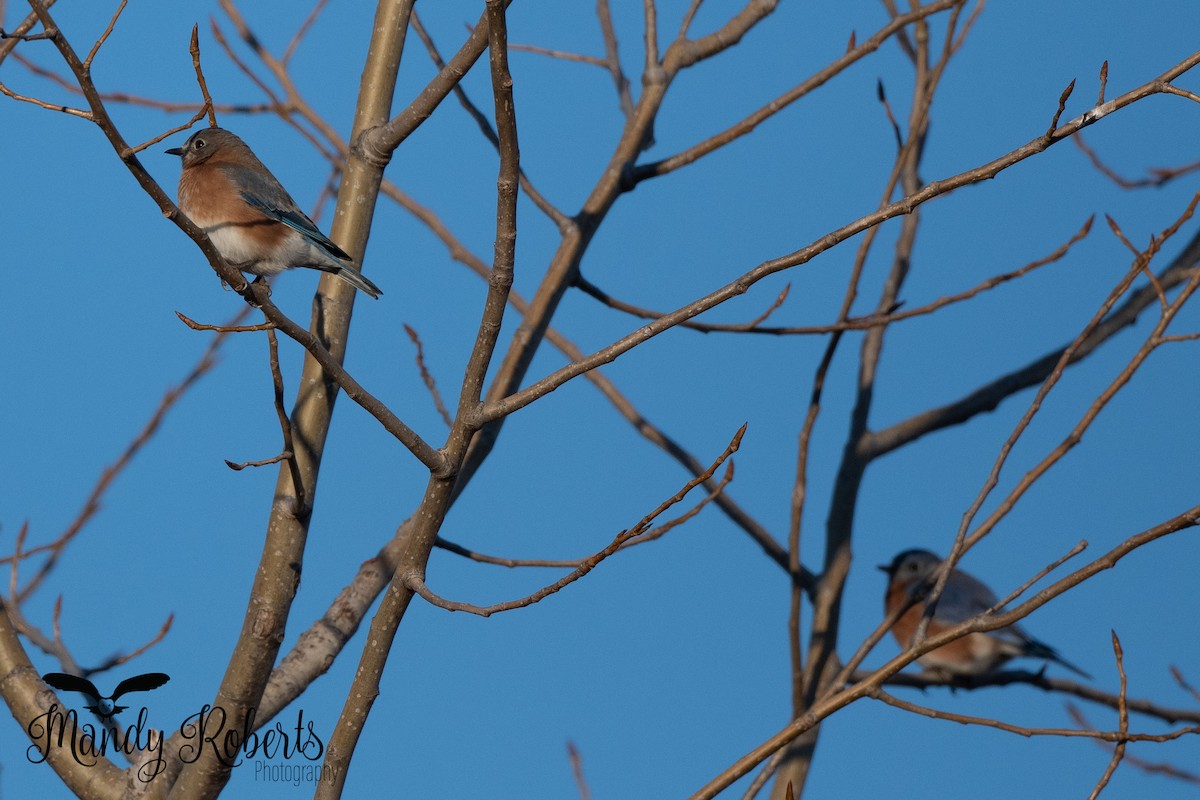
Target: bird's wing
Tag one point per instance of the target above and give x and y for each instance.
(71, 683)
(266, 195)
(141, 683)
(964, 598)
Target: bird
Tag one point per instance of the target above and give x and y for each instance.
(105, 707)
(250, 218)
(912, 574)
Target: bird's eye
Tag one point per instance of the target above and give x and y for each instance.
(198, 144)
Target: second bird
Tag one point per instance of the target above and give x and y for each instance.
(911, 577)
(251, 219)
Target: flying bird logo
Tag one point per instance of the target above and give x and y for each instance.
(105, 707)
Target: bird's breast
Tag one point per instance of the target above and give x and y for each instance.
(244, 236)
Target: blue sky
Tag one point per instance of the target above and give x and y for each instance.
(670, 661)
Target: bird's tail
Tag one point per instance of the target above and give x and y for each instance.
(357, 280)
(1036, 649)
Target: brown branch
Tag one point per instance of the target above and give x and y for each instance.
(1143, 257)
(1122, 722)
(984, 722)
(1062, 105)
(198, 326)
(414, 581)
(112, 23)
(194, 49)
(873, 320)
(138, 100)
(842, 697)
(1036, 680)
(662, 530)
(686, 23)
(696, 50)
(989, 396)
(303, 30)
(1149, 767)
(1184, 93)
(1020, 590)
(612, 59)
(577, 770)
(523, 397)
(166, 134)
(561, 54)
(1159, 176)
(427, 377)
(695, 152)
(963, 542)
(1183, 684)
(649, 536)
(92, 503)
(53, 644)
(439, 491)
(881, 95)
(285, 426)
(256, 295)
(238, 466)
(1180, 337)
(624, 407)
(118, 660)
(26, 37)
(485, 127)
(279, 106)
(968, 25)
(1152, 341)
(329, 192)
(8, 40)
(69, 110)
(483, 558)
(650, 14)
(284, 108)
(381, 141)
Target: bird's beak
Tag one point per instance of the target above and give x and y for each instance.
(884, 568)
(175, 151)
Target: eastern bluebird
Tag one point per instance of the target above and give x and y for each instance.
(252, 221)
(912, 575)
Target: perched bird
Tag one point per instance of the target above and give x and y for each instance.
(251, 219)
(912, 575)
(105, 707)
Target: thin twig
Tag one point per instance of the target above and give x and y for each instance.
(238, 466)
(285, 425)
(1020, 590)
(194, 49)
(427, 377)
(112, 23)
(126, 153)
(93, 502)
(1036, 680)
(1122, 736)
(577, 770)
(1149, 767)
(302, 30)
(1159, 176)
(1177, 674)
(561, 54)
(414, 581)
(866, 322)
(1122, 721)
(199, 326)
(612, 58)
(485, 127)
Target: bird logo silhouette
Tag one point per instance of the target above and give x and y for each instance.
(105, 707)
